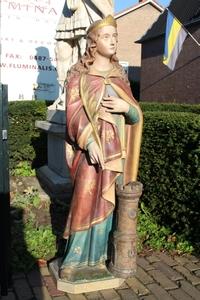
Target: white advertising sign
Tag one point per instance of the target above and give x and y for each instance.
(28, 63)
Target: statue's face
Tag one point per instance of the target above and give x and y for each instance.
(107, 41)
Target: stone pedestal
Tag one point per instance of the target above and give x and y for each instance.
(56, 116)
(54, 177)
(83, 286)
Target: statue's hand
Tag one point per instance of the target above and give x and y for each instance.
(115, 105)
(95, 154)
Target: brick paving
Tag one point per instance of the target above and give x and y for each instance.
(159, 276)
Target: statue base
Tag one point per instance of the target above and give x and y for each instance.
(56, 115)
(54, 177)
(54, 185)
(107, 281)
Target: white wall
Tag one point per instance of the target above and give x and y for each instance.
(27, 48)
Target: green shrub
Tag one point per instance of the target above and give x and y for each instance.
(169, 163)
(31, 231)
(154, 106)
(33, 234)
(170, 169)
(26, 142)
(159, 237)
(32, 243)
(23, 168)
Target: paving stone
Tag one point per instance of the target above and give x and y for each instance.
(198, 263)
(193, 258)
(35, 278)
(168, 271)
(51, 287)
(44, 271)
(167, 259)
(93, 296)
(152, 258)
(159, 292)
(61, 298)
(159, 266)
(163, 280)
(188, 275)
(137, 286)
(179, 294)
(182, 260)
(148, 297)
(76, 297)
(10, 296)
(22, 289)
(192, 266)
(122, 286)
(190, 290)
(127, 294)
(197, 273)
(110, 294)
(143, 263)
(41, 293)
(143, 276)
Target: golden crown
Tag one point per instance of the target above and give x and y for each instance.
(109, 20)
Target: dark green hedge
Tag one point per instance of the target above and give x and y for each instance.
(154, 106)
(26, 143)
(170, 170)
(169, 164)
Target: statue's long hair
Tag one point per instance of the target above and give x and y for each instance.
(84, 63)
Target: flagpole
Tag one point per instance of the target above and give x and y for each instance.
(192, 37)
(184, 28)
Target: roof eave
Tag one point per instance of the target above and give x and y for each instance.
(140, 41)
(135, 7)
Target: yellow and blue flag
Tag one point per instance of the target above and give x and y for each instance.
(174, 39)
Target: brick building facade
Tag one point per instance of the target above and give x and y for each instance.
(158, 82)
(132, 24)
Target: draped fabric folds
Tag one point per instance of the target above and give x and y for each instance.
(94, 187)
(118, 136)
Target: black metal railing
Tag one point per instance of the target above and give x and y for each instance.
(4, 193)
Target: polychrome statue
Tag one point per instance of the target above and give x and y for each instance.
(104, 129)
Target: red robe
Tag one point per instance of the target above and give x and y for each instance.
(94, 188)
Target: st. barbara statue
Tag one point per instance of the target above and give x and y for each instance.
(104, 127)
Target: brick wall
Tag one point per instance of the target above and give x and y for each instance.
(130, 28)
(160, 84)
